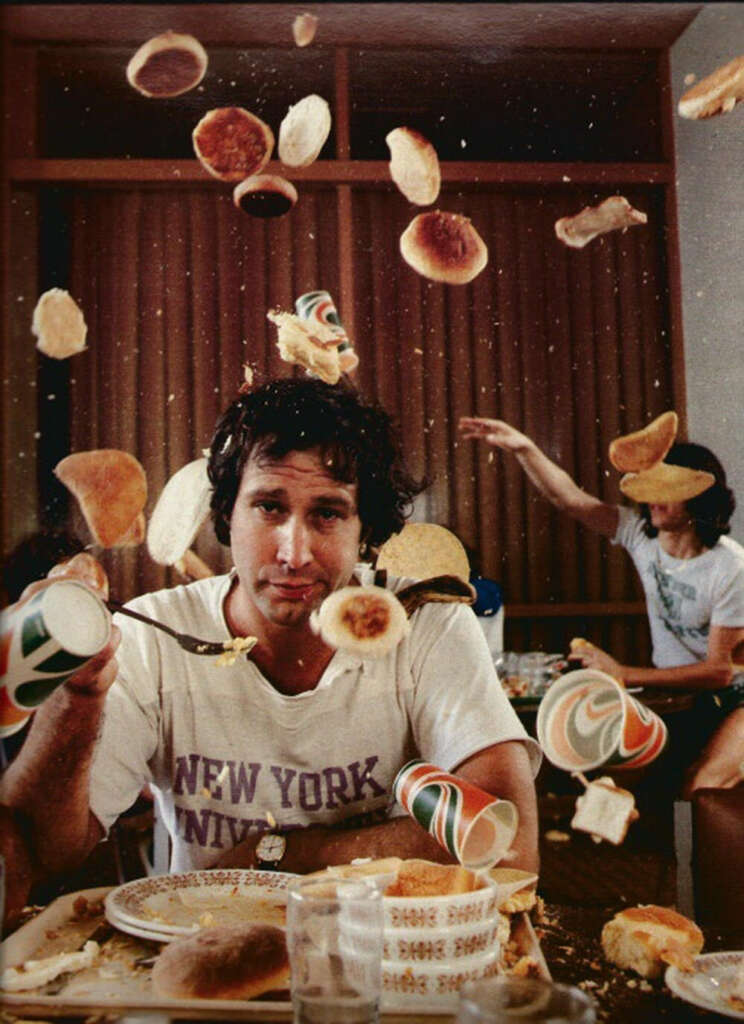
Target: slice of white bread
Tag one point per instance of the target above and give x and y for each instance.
(225, 962)
(611, 215)
(718, 93)
(605, 811)
(645, 938)
(417, 878)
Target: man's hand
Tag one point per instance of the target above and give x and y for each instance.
(97, 675)
(496, 433)
(594, 657)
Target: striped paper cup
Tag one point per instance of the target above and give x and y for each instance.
(318, 307)
(43, 641)
(588, 720)
(474, 826)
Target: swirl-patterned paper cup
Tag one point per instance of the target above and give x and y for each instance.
(318, 307)
(474, 826)
(43, 641)
(588, 720)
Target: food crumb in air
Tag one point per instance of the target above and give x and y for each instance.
(419, 351)
(690, 78)
(271, 819)
(206, 792)
(554, 835)
(223, 775)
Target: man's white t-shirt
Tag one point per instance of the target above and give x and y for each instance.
(684, 596)
(223, 749)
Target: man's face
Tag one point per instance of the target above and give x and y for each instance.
(295, 535)
(672, 516)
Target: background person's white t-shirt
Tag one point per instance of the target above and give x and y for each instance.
(684, 596)
(223, 748)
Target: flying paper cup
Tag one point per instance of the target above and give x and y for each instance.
(43, 641)
(587, 720)
(318, 307)
(474, 826)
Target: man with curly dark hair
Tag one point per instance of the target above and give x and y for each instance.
(693, 579)
(297, 740)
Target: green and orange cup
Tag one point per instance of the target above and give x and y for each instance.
(588, 720)
(476, 827)
(318, 307)
(44, 640)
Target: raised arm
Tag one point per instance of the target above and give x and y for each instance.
(502, 769)
(49, 780)
(551, 481)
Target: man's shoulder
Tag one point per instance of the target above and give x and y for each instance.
(731, 553)
(186, 598)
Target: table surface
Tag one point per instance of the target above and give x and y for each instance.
(569, 937)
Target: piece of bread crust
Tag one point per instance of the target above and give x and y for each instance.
(717, 93)
(422, 878)
(304, 28)
(167, 65)
(312, 346)
(644, 938)
(444, 247)
(232, 144)
(85, 567)
(614, 214)
(414, 165)
(642, 449)
(224, 962)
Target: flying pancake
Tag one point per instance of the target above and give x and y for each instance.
(664, 483)
(642, 449)
(424, 550)
(369, 621)
(444, 247)
(232, 144)
(265, 195)
(167, 65)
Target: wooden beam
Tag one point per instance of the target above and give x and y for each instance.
(567, 610)
(339, 172)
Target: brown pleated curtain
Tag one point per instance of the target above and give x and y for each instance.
(571, 346)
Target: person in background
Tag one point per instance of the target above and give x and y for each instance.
(693, 579)
(297, 740)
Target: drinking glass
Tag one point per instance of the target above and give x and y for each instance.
(524, 1000)
(334, 938)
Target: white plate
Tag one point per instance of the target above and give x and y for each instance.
(174, 904)
(710, 984)
(142, 933)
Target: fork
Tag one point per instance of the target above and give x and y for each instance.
(192, 644)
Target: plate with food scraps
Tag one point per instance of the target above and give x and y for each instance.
(177, 904)
(716, 983)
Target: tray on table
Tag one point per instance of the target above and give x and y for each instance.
(116, 985)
